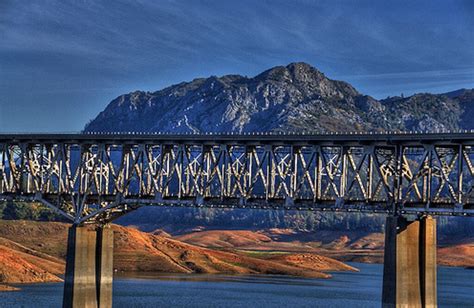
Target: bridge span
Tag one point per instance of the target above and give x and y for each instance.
(97, 177)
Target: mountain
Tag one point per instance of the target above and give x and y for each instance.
(296, 97)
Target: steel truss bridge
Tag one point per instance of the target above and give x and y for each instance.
(96, 177)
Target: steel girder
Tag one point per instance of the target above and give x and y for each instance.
(97, 178)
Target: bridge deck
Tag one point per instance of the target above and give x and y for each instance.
(254, 138)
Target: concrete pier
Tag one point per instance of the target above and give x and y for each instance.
(409, 278)
(104, 266)
(89, 268)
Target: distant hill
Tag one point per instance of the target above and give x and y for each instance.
(296, 97)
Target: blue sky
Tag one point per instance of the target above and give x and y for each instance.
(61, 62)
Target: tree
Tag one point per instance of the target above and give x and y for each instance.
(17, 211)
(2, 207)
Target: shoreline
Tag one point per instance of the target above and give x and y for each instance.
(211, 277)
(8, 288)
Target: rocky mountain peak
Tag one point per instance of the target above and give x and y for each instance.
(304, 71)
(296, 97)
(293, 72)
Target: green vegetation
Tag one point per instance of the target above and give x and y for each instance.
(28, 211)
(251, 219)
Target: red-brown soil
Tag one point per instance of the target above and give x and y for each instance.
(20, 264)
(225, 238)
(20, 267)
(457, 255)
(35, 251)
(139, 251)
(46, 237)
(312, 261)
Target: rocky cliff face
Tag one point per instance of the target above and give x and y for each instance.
(297, 97)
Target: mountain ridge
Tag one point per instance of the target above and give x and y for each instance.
(292, 98)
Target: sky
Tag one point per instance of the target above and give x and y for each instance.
(62, 62)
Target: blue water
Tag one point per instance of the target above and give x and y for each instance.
(362, 289)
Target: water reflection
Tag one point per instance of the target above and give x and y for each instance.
(345, 289)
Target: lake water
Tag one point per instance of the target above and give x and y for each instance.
(362, 289)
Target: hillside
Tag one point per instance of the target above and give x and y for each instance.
(225, 238)
(34, 252)
(296, 97)
(137, 251)
(20, 264)
(346, 246)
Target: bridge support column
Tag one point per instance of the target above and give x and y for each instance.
(104, 266)
(89, 268)
(409, 277)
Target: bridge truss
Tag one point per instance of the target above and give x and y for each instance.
(98, 177)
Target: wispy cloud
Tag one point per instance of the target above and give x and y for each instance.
(63, 50)
(467, 72)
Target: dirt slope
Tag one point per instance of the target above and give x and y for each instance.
(313, 262)
(23, 265)
(343, 246)
(34, 252)
(138, 251)
(457, 255)
(225, 238)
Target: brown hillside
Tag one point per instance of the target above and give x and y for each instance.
(138, 251)
(18, 266)
(225, 238)
(42, 245)
(343, 246)
(312, 261)
(49, 238)
(457, 255)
